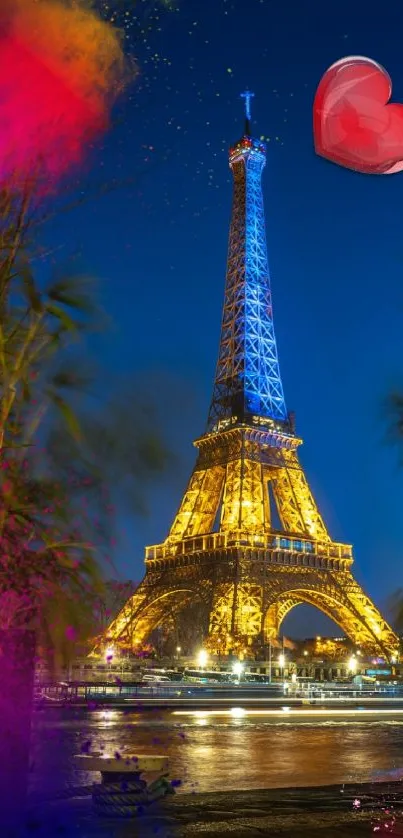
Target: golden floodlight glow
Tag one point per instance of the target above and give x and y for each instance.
(202, 658)
(352, 664)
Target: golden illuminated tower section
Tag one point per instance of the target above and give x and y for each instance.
(223, 547)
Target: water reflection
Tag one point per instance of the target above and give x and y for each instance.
(209, 753)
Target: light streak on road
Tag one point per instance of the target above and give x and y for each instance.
(361, 699)
(318, 712)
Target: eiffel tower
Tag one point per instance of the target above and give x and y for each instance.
(222, 547)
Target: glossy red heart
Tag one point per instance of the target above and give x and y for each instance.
(353, 124)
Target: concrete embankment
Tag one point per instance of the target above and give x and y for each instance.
(350, 811)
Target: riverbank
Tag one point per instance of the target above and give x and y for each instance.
(179, 695)
(350, 811)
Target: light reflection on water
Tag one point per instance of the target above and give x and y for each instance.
(209, 754)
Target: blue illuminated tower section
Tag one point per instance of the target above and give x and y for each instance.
(247, 384)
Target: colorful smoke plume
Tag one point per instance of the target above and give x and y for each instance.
(61, 69)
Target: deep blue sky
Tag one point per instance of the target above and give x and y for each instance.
(335, 250)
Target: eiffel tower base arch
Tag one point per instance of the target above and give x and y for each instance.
(246, 614)
(248, 602)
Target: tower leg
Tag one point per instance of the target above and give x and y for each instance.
(236, 618)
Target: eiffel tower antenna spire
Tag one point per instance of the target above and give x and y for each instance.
(247, 96)
(247, 382)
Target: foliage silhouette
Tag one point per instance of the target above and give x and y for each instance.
(61, 460)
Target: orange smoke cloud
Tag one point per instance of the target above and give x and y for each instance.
(61, 69)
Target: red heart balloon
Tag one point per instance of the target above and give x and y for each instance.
(353, 124)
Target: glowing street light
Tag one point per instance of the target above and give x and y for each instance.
(202, 658)
(281, 660)
(237, 669)
(352, 664)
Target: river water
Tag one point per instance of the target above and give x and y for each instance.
(216, 754)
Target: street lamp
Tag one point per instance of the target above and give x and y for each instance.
(281, 660)
(352, 665)
(202, 658)
(109, 652)
(237, 670)
(178, 651)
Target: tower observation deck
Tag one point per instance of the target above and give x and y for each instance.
(224, 548)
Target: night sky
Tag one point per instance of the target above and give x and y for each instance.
(334, 241)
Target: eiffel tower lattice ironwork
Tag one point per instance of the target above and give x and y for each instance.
(249, 573)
